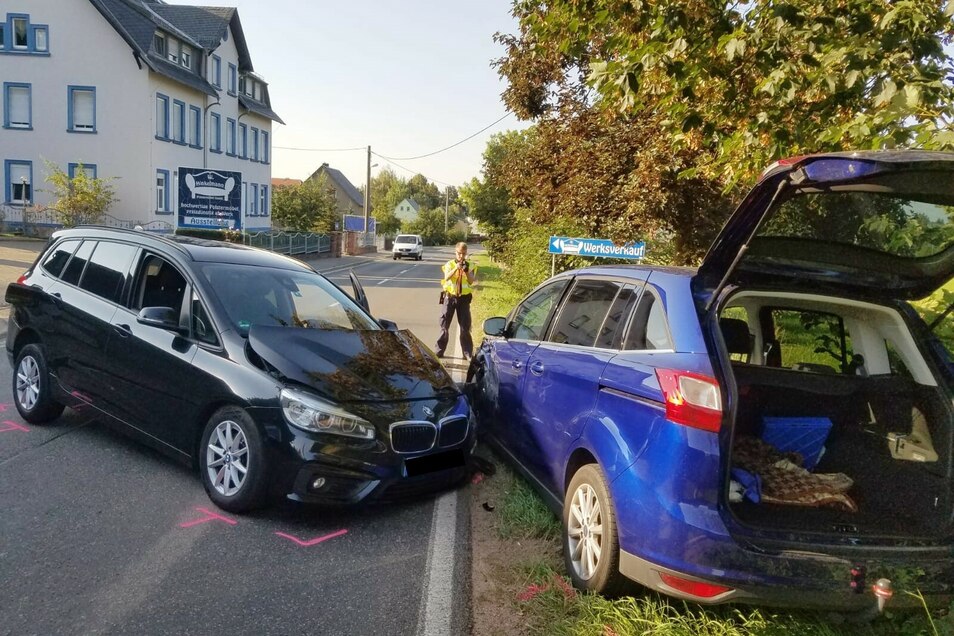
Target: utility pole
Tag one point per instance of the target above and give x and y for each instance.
(446, 192)
(367, 197)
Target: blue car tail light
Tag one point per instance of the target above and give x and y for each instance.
(691, 399)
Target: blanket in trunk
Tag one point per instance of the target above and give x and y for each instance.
(784, 481)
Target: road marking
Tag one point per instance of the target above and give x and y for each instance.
(438, 593)
(311, 542)
(13, 426)
(406, 271)
(384, 281)
(210, 516)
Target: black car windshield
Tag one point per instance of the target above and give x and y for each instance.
(253, 295)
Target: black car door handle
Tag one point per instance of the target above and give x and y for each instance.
(536, 367)
(123, 330)
(57, 299)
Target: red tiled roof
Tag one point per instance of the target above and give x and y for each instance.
(277, 183)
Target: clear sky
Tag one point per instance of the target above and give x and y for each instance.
(405, 78)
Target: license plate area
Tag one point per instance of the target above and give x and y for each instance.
(434, 463)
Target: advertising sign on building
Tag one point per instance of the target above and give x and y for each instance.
(210, 198)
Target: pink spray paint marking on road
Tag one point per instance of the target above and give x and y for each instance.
(3, 407)
(210, 516)
(12, 426)
(314, 541)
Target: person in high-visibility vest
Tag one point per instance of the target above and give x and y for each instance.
(457, 291)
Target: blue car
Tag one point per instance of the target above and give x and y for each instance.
(774, 427)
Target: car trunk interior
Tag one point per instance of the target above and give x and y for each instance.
(848, 432)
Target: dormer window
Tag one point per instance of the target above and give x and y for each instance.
(173, 51)
(159, 44)
(185, 57)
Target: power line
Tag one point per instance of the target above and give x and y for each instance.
(413, 172)
(320, 149)
(430, 154)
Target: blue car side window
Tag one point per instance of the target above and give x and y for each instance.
(531, 317)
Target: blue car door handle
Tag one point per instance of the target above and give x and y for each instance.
(536, 367)
(516, 364)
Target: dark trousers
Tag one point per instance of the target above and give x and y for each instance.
(461, 306)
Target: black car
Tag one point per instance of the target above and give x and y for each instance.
(247, 364)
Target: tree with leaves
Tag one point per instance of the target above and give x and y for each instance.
(305, 207)
(743, 83)
(80, 199)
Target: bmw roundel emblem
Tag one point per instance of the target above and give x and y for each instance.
(428, 412)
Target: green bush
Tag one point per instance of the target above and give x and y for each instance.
(456, 236)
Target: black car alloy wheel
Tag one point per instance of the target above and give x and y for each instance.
(232, 461)
(590, 542)
(32, 392)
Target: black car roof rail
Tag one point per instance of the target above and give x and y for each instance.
(138, 233)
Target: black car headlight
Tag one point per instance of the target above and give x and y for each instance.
(313, 414)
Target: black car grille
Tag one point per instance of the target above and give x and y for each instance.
(412, 437)
(453, 431)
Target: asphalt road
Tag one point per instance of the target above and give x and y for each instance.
(100, 535)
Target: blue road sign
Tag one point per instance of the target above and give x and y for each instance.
(596, 247)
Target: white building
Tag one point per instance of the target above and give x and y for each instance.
(132, 89)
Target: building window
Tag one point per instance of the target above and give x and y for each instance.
(178, 121)
(253, 200)
(17, 105)
(159, 44)
(263, 201)
(89, 169)
(264, 147)
(195, 127)
(243, 141)
(162, 116)
(20, 40)
(82, 109)
(172, 47)
(215, 70)
(254, 156)
(215, 132)
(41, 42)
(162, 191)
(185, 56)
(230, 137)
(19, 180)
(19, 36)
(233, 74)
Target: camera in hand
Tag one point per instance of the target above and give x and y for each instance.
(464, 265)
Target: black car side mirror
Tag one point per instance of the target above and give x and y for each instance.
(162, 317)
(495, 326)
(388, 325)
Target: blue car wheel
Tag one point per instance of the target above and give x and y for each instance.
(590, 540)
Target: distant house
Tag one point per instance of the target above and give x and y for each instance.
(348, 199)
(407, 210)
(280, 183)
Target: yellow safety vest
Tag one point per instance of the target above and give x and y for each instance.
(459, 278)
